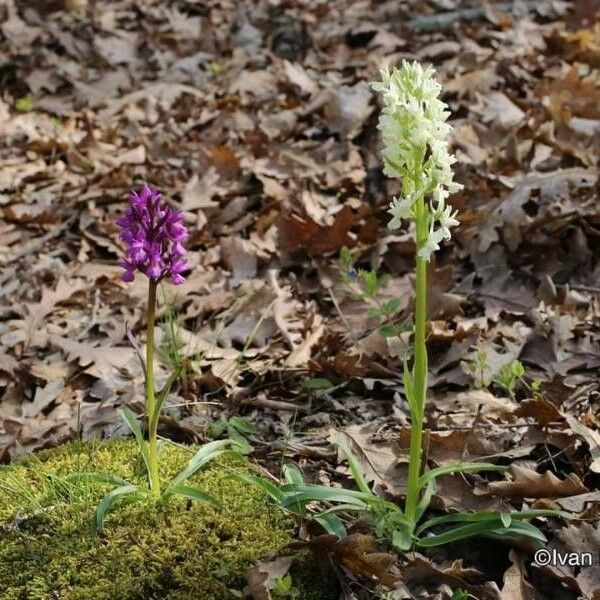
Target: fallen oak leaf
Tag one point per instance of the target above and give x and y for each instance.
(540, 409)
(99, 361)
(358, 553)
(422, 571)
(516, 587)
(35, 313)
(296, 233)
(263, 576)
(591, 437)
(527, 483)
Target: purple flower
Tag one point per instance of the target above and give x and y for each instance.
(154, 234)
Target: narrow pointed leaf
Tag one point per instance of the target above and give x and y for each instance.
(489, 528)
(161, 397)
(292, 474)
(96, 478)
(133, 424)
(356, 470)
(462, 517)
(425, 500)
(331, 524)
(108, 501)
(192, 493)
(458, 468)
(268, 487)
(205, 454)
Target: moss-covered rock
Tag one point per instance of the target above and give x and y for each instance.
(179, 550)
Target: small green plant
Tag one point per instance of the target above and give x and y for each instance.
(366, 286)
(26, 103)
(509, 375)
(284, 588)
(478, 367)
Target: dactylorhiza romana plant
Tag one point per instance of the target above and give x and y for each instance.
(415, 150)
(154, 234)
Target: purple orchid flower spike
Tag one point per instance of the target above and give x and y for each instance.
(154, 234)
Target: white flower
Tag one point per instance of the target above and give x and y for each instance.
(447, 219)
(415, 148)
(432, 244)
(400, 208)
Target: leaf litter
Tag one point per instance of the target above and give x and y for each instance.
(257, 121)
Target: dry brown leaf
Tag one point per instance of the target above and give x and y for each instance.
(359, 554)
(262, 577)
(530, 484)
(516, 586)
(296, 233)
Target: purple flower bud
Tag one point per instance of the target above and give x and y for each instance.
(153, 233)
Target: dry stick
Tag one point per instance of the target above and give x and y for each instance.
(447, 20)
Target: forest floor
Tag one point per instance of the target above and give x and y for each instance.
(258, 121)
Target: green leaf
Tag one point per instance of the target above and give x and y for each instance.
(96, 478)
(425, 500)
(402, 538)
(108, 501)
(218, 428)
(161, 397)
(331, 524)
(370, 282)
(340, 508)
(242, 425)
(493, 528)
(318, 383)
(292, 474)
(409, 390)
(317, 493)
(463, 517)
(518, 529)
(192, 493)
(345, 258)
(133, 424)
(506, 519)
(268, 487)
(204, 455)
(373, 312)
(355, 470)
(458, 468)
(26, 103)
(390, 330)
(391, 306)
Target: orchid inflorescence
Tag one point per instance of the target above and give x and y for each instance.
(154, 234)
(414, 130)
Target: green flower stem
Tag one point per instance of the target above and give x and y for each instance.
(420, 365)
(150, 400)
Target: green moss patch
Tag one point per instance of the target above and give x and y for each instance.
(179, 550)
